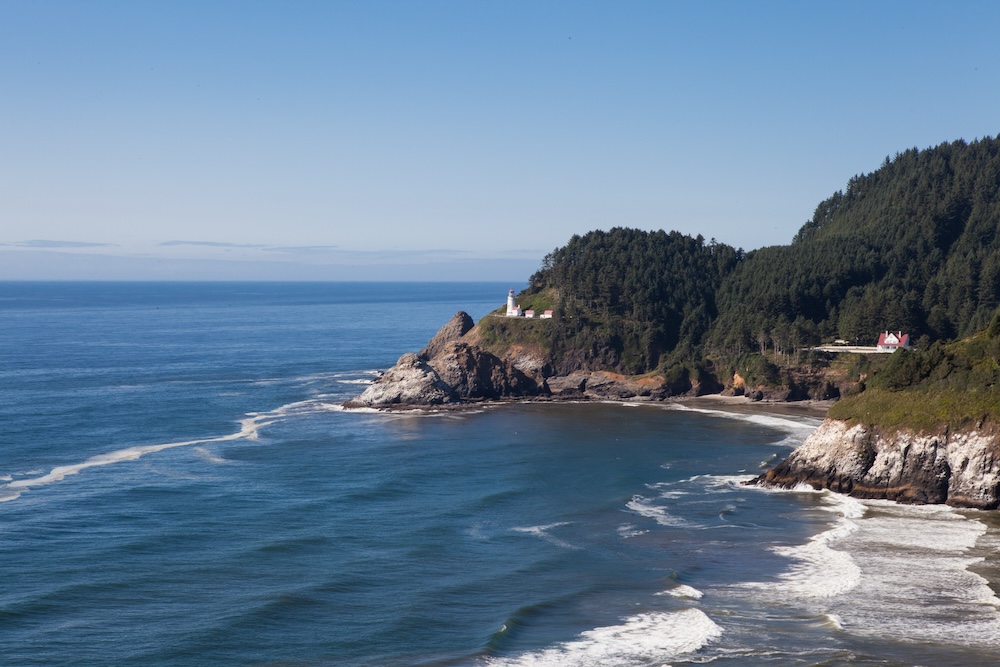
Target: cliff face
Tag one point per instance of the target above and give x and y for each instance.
(449, 369)
(456, 328)
(456, 367)
(960, 468)
(411, 381)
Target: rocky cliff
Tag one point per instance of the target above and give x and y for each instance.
(450, 369)
(960, 468)
(456, 366)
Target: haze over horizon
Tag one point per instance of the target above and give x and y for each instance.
(443, 140)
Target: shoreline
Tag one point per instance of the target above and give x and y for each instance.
(734, 404)
(741, 404)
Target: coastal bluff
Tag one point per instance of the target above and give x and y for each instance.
(960, 468)
(450, 369)
(455, 367)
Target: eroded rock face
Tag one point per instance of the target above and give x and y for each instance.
(473, 373)
(412, 381)
(612, 386)
(457, 326)
(458, 365)
(567, 386)
(961, 469)
(449, 369)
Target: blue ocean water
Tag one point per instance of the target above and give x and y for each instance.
(181, 487)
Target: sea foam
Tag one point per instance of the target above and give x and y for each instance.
(787, 424)
(544, 533)
(908, 555)
(249, 429)
(874, 571)
(818, 569)
(684, 591)
(648, 508)
(644, 639)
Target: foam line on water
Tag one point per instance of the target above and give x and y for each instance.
(249, 430)
(722, 483)
(341, 408)
(210, 457)
(644, 639)
(543, 532)
(648, 508)
(684, 591)
(627, 530)
(786, 424)
(909, 555)
(819, 570)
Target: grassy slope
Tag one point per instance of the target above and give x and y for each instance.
(955, 386)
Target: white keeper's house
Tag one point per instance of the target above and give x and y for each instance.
(890, 342)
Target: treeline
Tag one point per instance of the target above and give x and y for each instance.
(913, 246)
(626, 297)
(956, 383)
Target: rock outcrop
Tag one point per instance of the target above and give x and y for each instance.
(462, 364)
(959, 468)
(450, 369)
(609, 386)
(412, 381)
(473, 373)
(457, 326)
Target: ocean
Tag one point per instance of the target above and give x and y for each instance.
(180, 486)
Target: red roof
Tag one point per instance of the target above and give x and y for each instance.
(902, 339)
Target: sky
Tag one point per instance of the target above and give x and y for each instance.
(452, 139)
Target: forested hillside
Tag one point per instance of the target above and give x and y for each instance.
(626, 297)
(913, 246)
(957, 384)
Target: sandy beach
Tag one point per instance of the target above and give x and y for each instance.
(744, 405)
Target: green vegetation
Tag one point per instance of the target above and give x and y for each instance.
(628, 299)
(913, 246)
(955, 384)
(499, 332)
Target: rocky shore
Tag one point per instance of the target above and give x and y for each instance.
(958, 468)
(454, 368)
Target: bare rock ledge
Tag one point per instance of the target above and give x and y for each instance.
(450, 369)
(959, 468)
(455, 368)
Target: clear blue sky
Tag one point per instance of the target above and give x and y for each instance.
(457, 139)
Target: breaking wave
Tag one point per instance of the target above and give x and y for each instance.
(644, 639)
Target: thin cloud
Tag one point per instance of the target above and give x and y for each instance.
(47, 243)
(435, 253)
(213, 244)
(299, 249)
(305, 249)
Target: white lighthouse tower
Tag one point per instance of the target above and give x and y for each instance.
(512, 309)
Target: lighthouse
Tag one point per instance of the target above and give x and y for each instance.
(512, 309)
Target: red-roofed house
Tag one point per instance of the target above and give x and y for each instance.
(890, 342)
